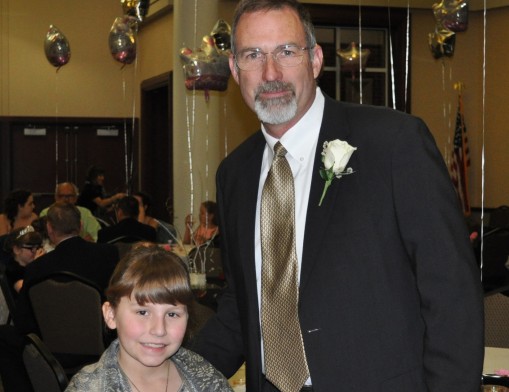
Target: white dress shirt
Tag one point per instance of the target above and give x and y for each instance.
(300, 143)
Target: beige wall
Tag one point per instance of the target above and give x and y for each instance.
(435, 100)
(92, 84)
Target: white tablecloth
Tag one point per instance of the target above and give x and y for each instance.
(495, 358)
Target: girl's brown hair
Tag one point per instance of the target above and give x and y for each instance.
(150, 274)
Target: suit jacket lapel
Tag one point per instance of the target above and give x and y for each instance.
(334, 126)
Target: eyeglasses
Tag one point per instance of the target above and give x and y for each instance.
(285, 55)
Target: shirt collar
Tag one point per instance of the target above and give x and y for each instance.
(303, 134)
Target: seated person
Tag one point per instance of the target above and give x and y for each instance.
(127, 212)
(67, 192)
(145, 202)
(72, 253)
(208, 228)
(165, 231)
(93, 195)
(18, 211)
(149, 297)
(24, 246)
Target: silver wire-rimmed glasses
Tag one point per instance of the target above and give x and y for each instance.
(252, 59)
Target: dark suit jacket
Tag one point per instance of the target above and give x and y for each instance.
(390, 294)
(94, 262)
(127, 227)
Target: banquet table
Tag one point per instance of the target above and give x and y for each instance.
(495, 358)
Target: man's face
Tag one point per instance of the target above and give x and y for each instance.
(66, 193)
(279, 95)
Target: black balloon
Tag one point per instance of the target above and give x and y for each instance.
(221, 34)
(56, 47)
(135, 8)
(122, 39)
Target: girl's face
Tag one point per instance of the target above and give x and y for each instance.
(148, 334)
(24, 255)
(27, 208)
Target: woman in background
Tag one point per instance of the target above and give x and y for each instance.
(208, 228)
(18, 211)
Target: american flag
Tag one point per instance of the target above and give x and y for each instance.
(460, 159)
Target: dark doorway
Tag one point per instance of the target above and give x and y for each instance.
(156, 161)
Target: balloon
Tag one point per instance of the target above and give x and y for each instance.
(221, 34)
(441, 43)
(207, 67)
(452, 14)
(351, 57)
(135, 8)
(122, 39)
(56, 47)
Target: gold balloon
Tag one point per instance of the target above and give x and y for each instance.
(441, 43)
(135, 8)
(351, 58)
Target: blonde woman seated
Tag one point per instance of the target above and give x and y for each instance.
(207, 229)
(148, 303)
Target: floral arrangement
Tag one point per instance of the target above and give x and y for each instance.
(335, 157)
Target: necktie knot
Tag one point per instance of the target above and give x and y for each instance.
(279, 150)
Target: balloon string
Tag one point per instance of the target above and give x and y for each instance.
(360, 53)
(56, 127)
(125, 124)
(207, 129)
(133, 128)
(225, 129)
(391, 59)
(407, 53)
(483, 162)
(190, 155)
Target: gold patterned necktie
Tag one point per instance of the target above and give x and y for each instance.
(285, 360)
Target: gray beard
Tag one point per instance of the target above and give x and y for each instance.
(277, 110)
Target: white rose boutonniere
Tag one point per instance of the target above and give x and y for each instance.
(335, 157)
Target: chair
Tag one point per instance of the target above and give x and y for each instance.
(496, 320)
(499, 217)
(45, 372)
(489, 380)
(166, 233)
(68, 312)
(7, 304)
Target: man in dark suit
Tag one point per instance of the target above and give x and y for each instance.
(128, 226)
(72, 253)
(389, 293)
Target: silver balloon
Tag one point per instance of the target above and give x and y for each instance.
(122, 39)
(56, 47)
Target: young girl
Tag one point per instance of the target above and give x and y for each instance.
(24, 245)
(147, 303)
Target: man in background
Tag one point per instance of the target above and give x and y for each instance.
(128, 228)
(67, 192)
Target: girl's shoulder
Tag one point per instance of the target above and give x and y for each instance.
(198, 372)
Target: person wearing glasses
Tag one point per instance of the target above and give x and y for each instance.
(67, 192)
(387, 292)
(24, 245)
